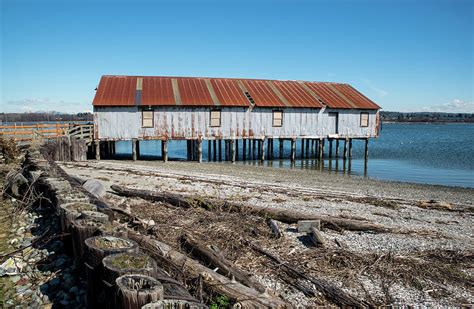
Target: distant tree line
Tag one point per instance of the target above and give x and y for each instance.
(426, 117)
(37, 117)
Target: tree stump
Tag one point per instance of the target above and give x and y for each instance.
(95, 216)
(116, 265)
(82, 229)
(97, 248)
(174, 304)
(135, 291)
(68, 212)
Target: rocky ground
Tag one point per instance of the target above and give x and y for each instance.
(35, 272)
(426, 259)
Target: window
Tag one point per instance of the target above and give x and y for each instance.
(215, 118)
(147, 119)
(364, 119)
(277, 118)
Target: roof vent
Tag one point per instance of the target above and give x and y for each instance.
(249, 97)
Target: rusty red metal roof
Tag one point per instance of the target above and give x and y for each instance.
(199, 91)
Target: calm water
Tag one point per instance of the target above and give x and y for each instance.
(423, 153)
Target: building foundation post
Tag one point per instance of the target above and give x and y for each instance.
(350, 148)
(232, 150)
(344, 150)
(244, 149)
(134, 149)
(199, 150)
(330, 147)
(337, 148)
(220, 150)
(262, 142)
(281, 147)
(209, 150)
(366, 155)
(307, 148)
(97, 149)
(164, 150)
(321, 148)
(293, 149)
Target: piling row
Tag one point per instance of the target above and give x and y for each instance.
(252, 149)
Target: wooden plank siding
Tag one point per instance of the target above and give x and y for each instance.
(125, 123)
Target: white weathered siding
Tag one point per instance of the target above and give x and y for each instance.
(122, 123)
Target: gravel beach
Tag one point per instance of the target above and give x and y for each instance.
(420, 234)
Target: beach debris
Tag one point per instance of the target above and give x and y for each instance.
(305, 226)
(275, 227)
(94, 187)
(432, 204)
(11, 267)
(316, 237)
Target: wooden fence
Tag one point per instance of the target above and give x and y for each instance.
(45, 131)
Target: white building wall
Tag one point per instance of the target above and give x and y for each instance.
(122, 123)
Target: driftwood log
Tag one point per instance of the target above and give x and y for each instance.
(247, 297)
(135, 291)
(331, 292)
(214, 259)
(283, 215)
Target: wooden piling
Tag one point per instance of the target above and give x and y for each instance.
(321, 148)
(188, 150)
(97, 149)
(316, 148)
(302, 148)
(262, 142)
(236, 150)
(344, 151)
(164, 150)
(293, 149)
(134, 149)
(281, 140)
(350, 148)
(220, 150)
(312, 148)
(244, 149)
(330, 148)
(337, 148)
(209, 150)
(307, 148)
(366, 155)
(199, 150)
(259, 153)
(232, 150)
(215, 150)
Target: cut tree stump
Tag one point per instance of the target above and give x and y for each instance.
(70, 212)
(81, 230)
(135, 291)
(97, 248)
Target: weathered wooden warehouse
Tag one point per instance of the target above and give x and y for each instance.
(230, 109)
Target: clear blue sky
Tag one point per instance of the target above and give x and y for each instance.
(404, 55)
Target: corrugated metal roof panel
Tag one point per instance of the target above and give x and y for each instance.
(356, 97)
(157, 91)
(228, 92)
(296, 95)
(329, 97)
(262, 93)
(116, 91)
(194, 92)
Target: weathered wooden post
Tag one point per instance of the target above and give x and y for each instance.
(262, 142)
(209, 150)
(134, 149)
(281, 147)
(232, 150)
(244, 149)
(312, 148)
(307, 148)
(164, 150)
(254, 150)
(321, 148)
(337, 148)
(350, 148)
(199, 150)
(220, 150)
(293, 149)
(135, 291)
(316, 147)
(366, 149)
(302, 148)
(330, 147)
(188, 150)
(215, 149)
(236, 150)
(97, 149)
(344, 150)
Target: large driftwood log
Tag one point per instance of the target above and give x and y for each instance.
(135, 291)
(283, 215)
(225, 267)
(331, 292)
(248, 297)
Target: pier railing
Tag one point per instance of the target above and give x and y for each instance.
(25, 133)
